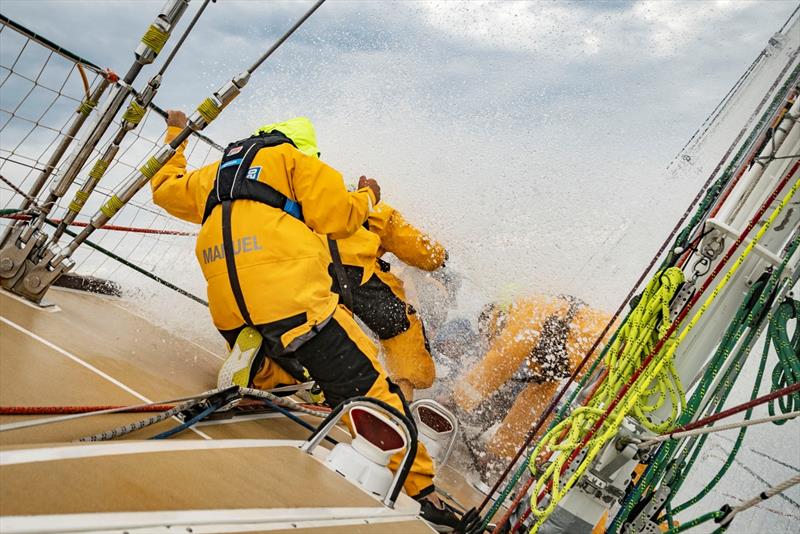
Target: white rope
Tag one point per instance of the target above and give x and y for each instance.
(138, 425)
(282, 401)
(763, 496)
(711, 429)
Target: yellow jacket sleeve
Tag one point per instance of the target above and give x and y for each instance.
(507, 351)
(328, 207)
(409, 244)
(182, 193)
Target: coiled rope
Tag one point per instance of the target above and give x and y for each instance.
(711, 193)
(748, 317)
(647, 372)
(787, 370)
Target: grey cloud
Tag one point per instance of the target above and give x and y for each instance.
(550, 133)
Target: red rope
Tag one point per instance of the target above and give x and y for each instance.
(652, 355)
(685, 311)
(65, 410)
(697, 424)
(521, 520)
(111, 227)
(736, 409)
(554, 402)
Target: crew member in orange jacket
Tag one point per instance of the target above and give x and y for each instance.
(533, 344)
(378, 295)
(266, 209)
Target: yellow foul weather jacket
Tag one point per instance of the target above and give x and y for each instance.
(513, 335)
(282, 262)
(390, 232)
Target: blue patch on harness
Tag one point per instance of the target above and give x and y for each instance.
(293, 208)
(253, 172)
(231, 163)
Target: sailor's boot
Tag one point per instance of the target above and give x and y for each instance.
(238, 367)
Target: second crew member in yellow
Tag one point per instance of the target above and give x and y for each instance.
(378, 295)
(531, 345)
(265, 210)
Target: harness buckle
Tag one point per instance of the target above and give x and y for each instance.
(293, 208)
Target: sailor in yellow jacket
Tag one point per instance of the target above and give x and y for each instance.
(266, 209)
(378, 296)
(531, 345)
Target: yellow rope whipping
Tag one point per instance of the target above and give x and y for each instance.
(151, 167)
(99, 169)
(78, 202)
(86, 107)
(112, 206)
(155, 38)
(134, 114)
(209, 110)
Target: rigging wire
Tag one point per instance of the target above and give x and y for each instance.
(643, 370)
(711, 192)
(183, 37)
(16, 215)
(710, 430)
(285, 36)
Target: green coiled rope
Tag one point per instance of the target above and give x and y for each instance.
(787, 370)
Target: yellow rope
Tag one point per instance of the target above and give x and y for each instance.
(155, 38)
(98, 170)
(86, 106)
(134, 114)
(112, 206)
(209, 110)
(151, 167)
(634, 342)
(583, 418)
(77, 203)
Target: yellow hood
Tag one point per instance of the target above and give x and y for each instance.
(299, 130)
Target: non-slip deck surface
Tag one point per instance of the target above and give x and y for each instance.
(176, 480)
(95, 352)
(56, 358)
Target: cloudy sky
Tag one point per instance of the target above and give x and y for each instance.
(528, 136)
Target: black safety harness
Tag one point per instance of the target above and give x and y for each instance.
(235, 181)
(550, 354)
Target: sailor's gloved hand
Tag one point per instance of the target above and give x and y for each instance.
(363, 181)
(470, 522)
(177, 118)
(449, 278)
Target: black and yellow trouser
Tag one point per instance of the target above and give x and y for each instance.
(343, 361)
(381, 304)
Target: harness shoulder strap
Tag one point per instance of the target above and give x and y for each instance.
(345, 291)
(551, 352)
(233, 181)
(230, 262)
